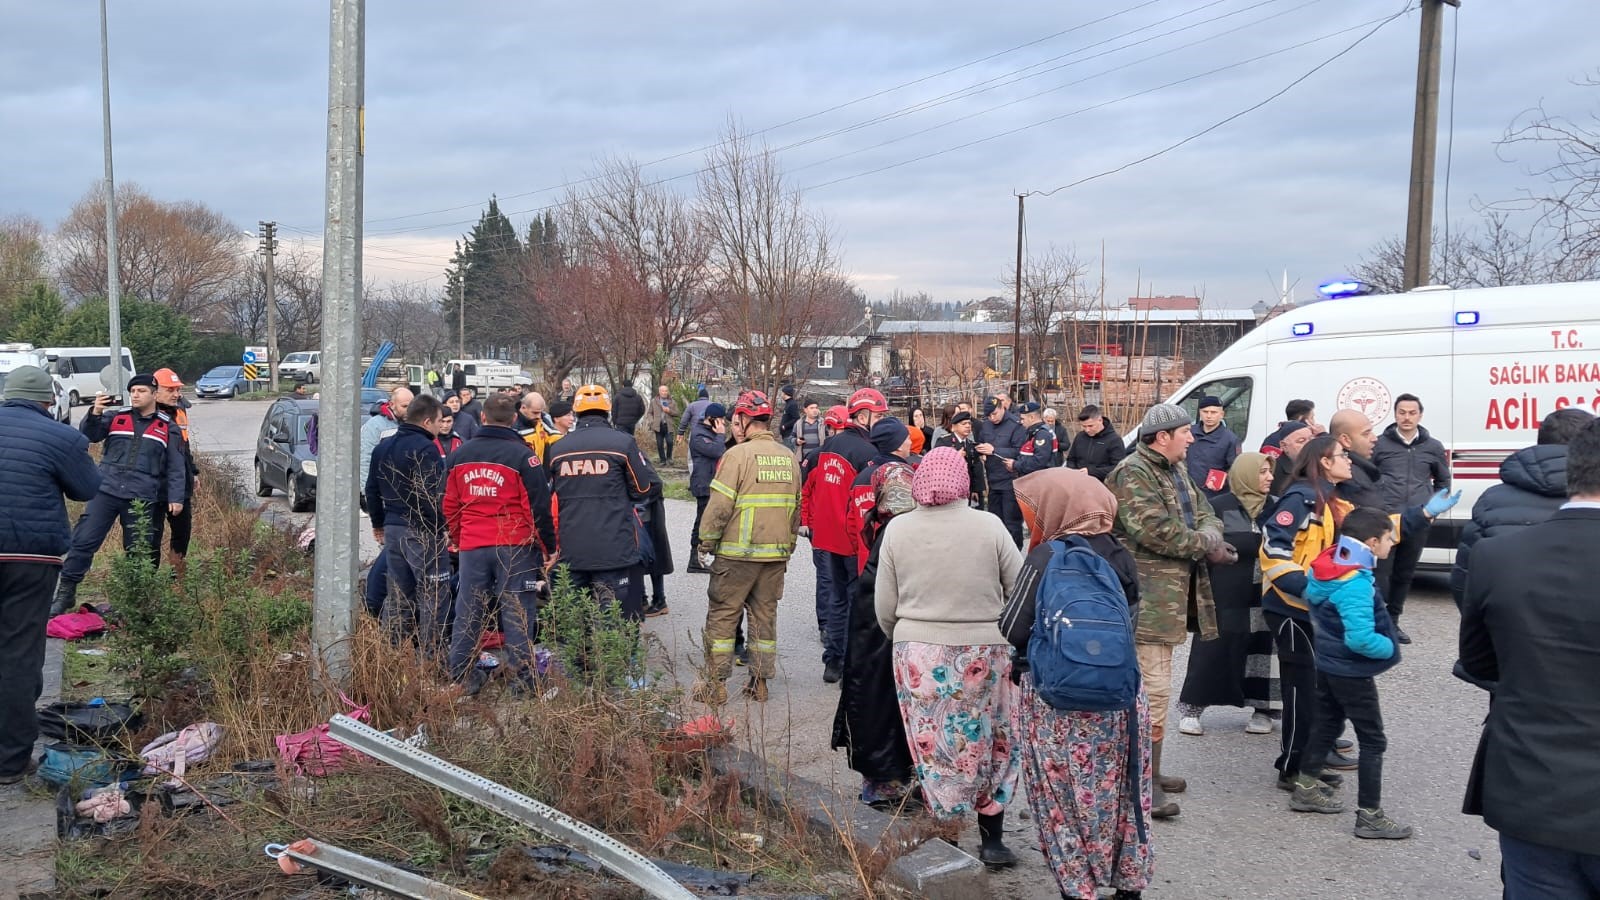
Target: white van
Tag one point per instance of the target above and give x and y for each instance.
(79, 369)
(484, 374)
(1488, 365)
(304, 365)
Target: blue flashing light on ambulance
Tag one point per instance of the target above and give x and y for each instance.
(1488, 363)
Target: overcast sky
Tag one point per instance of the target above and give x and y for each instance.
(226, 104)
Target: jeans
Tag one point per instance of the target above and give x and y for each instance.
(25, 592)
(102, 512)
(664, 444)
(419, 587)
(1356, 699)
(1297, 678)
(377, 584)
(510, 575)
(1395, 573)
(819, 559)
(1537, 872)
(1003, 503)
(842, 578)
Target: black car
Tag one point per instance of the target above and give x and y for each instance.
(284, 456)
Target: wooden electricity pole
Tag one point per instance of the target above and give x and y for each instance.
(1424, 143)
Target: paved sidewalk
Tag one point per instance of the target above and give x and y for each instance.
(28, 820)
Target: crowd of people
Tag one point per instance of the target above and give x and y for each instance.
(998, 601)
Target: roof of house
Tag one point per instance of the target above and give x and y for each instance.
(1114, 315)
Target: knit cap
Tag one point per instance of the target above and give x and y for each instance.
(1163, 417)
(888, 435)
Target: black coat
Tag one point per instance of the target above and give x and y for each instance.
(1096, 454)
(1234, 585)
(1533, 486)
(1365, 487)
(1531, 626)
(867, 724)
(628, 409)
(597, 476)
(1411, 472)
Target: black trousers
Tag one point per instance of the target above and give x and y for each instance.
(1297, 680)
(1003, 503)
(694, 533)
(1395, 572)
(181, 526)
(664, 443)
(25, 592)
(1355, 699)
(624, 586)
(103, 512)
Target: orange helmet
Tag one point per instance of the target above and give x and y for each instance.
(591, 398)
(867, 399)
(836, 418)
(753, 404)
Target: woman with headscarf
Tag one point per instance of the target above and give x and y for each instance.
(1077, 763)
(867, 725)
(1236, 668)
(944, 570)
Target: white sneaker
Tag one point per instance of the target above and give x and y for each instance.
(1190, 725)
(1260, 723)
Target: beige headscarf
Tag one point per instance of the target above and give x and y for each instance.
(1244, 480)
(1064, 501)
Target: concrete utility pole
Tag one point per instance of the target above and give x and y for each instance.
(1016, 319)
(113, 281)
(269, 247)
(1424, 144)
(338, 463)
(461, 303)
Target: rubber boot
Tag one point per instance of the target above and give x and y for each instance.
(1172, 784)
(993, 852)
(1160, 806)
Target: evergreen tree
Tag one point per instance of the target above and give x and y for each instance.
(487, 270)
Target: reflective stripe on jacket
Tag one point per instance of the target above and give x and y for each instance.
(754, 508)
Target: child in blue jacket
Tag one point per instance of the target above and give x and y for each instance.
(1354, 642)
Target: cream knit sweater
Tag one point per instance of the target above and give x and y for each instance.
(943, 576)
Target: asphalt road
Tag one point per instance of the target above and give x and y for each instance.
(1236, 837)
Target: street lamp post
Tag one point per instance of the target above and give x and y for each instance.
(113, 284)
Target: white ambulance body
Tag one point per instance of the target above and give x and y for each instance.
(1488, 365)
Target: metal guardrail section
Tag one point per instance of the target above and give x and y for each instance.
(370, 872)
(546, 820)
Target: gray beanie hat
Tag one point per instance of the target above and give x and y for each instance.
(29, 383)
(1163, 417)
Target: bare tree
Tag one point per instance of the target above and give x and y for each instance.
(774, 259)
(1566, 163)
(411, 316)
(1052, 293)
(182, 254)
(1494, 252)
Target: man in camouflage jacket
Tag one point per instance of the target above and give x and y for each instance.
(1169, 527)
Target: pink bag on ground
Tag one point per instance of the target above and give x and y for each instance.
(175, 751)
(71, 626)
(313, 751)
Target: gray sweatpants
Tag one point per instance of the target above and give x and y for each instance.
(419, 587)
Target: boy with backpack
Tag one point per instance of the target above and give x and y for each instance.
(1353, 642)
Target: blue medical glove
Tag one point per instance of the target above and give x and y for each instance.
(1441, 503)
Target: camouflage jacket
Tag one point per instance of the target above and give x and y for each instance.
(1169, 554)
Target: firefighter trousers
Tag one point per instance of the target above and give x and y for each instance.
(739, 586)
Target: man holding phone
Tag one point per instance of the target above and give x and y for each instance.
(141, 466)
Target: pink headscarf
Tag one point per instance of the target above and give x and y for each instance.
(941, 478)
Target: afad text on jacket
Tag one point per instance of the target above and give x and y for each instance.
(597, 474)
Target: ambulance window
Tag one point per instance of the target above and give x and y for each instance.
(1235, 396)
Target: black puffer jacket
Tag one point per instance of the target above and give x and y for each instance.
(629, 409)
(1533, 486)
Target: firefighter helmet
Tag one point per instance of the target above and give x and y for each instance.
(591, 398)
(869, 400)
(836, 418)
(753, 404)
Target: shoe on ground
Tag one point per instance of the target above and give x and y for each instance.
(659, 608)
(1341, 761)
(1164, 808)
(16, 777)
(1260, 723)
(741, 655)
(710, 693)
(1330, 779)
(998, 856)
(756, 689)
(1191, 725)
(832, 673)
(1374, 824)
(1344, 745)
(696, 568)
(476, 679)
(1401, 636)
(1310, 795)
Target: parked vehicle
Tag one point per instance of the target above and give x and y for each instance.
(1488, 364)
(59, 408)
(485, 374)
(304, 365)
(79, 369)
(222, 381)
(284, 458)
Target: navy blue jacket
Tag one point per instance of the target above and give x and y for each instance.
(1038, 452)
(1216, 450)
(597, 475)
(1533, 486)
(705, 449)
(143, 456)
(43, 460)
(1007, 437)
(405, 482)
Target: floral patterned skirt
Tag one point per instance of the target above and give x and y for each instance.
(1077, 770)
(960, 709)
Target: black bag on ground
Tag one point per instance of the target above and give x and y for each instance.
(89, 723)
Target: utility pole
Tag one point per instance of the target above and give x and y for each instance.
(338, 538)
(1016, 320)
(113, 279)
(269, 247)
(461, 303)
(1424, 145)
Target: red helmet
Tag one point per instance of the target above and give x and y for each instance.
(866, 399)
(836, 418)
(753, 404)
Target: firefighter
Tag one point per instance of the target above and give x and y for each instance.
(598, 475)
(749, 526)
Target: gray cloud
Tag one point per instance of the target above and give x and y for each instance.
(226, 105)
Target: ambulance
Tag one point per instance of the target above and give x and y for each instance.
(1487, 363)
